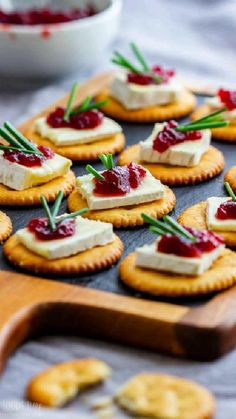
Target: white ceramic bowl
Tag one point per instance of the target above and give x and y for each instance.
(59, 49)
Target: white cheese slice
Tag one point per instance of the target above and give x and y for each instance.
(215, 103)
(149, 190)
(70, 136)
(19, 178)
(133, 96)
(214, 223)
(89, 234)
(187, 154)
(148, 257)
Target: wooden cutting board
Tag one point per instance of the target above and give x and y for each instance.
(31, 306)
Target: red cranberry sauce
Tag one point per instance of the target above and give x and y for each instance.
(226, 211)
(146, 79)
(45, 16)
(206, 242)
(82, 120)
(169, 137)
(227, 98)
(29, 160)
(42, 231)
(119, 180)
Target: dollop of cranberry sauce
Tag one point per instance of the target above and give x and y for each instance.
(45, 16)
(228, 98)
(119, 180)
(226, 211)
(179, 246)
(29, 160)
(169, 137)
(82, 120)
(146, 79)
(42, 231)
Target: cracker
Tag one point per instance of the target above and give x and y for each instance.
(91, 260)
(90, 151)
(211, 164)
(31, 196)
(220, 276)
(230, 176)
(5, 226)
(195, 217)
(175, 110)
(227, 134)
(56, 386)
(164, 396)
(128, 216)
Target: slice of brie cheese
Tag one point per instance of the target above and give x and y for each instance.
(186, 154)
(215, 103)
(133, 96)
(89, 234)
(19, 178)
(214, 223)
(149, 258)
(70, 136)
(149, 190)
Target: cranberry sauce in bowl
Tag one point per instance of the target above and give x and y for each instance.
(163, 76)
(226, 210)
(83, 120)
(41, 229)
(46, 15)
(206, 241)
(168, 137)
(29, 160)
(119, 180)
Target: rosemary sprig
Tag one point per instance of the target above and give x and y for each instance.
(107, 160)
(94, 172)
(169, 225)
(88, 106)
(15, 134)
(47, 211)
(122, 61)
(57, 204)
(70, 101)
(230, 191)
(72, 215)
(214, 120)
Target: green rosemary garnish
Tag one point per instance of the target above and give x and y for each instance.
(168, 225)
(16, 140)
(107, 161)
(214, 120)
(51, 215)
(144, 68)
(86, 105)
(230, 191)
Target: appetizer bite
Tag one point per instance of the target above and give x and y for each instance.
(224, 101)
(179, 154)
(216, 213)
(182, 261)
(28, 170)
(145, 93)
(65, 244)
(80, 132)
(161, 396)
(5, 226)
(120, 194)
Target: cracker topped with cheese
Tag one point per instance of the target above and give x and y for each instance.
(182, 261)
(141, 92)
(79, 132)
(179, 154)
(63, 244)
(119, 193)
(25, 166)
